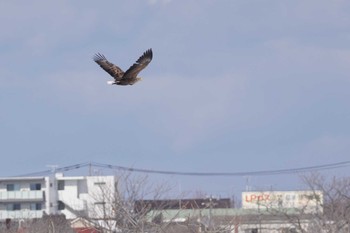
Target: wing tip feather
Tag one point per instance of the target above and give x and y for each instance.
(148, 54)
(99, 57)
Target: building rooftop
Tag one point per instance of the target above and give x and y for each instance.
(22, 178)
(184, 214)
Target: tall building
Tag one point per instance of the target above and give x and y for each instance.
(73, 196)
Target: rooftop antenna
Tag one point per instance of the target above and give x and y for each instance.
(90, 169)
(247, 183)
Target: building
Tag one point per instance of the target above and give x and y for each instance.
(24, 197)
(81, 225)
(198, 203)
(84, 195)
(86, 201)
(234, 220)
(309, 201)
(261, 212)
(30, 197)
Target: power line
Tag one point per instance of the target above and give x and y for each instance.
(251, 173)
(163, 172)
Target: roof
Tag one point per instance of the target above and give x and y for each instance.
(86, 230)
(70, 178)
(198, 203)
(22, 178)
(181, 215)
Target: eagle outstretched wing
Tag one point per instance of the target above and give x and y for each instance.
(109, 67)
(139, 65)
(120, 77)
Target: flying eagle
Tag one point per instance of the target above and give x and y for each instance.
(128, 77)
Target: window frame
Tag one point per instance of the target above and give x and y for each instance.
(35, 186)
(60, 185)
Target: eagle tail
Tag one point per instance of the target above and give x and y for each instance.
(110, 82)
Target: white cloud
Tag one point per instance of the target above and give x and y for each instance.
(264, 69)
(39, 27)
(190, 110)
(186, 111)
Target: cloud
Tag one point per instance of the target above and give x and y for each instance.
(186, 111)
(189, 110)
(262, 78)
(309, 55)
(40, 28)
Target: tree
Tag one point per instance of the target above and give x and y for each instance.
(135, 205)
(336, 204)
(46, 224)
(325, 210)
(113, 209)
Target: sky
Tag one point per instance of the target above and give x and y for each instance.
(234, 86)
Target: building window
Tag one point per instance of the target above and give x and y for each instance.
(288, 230)
(253, 230)
(12, 187)
(35, 206)
(60, 185)
(99, 183)
(100, 203)
(13, 206)
(61, 205)
(36, 186)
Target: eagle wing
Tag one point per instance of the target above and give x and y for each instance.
(139, 65)
(109, 67)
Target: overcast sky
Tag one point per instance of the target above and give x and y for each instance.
(234, 86)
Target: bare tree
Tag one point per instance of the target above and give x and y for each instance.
(326, 209)
(46, 224)
(136, 205)
(115, 209)
(335, 216)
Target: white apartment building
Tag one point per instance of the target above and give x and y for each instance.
(23, 197)
(73, 196)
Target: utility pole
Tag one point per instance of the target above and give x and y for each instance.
(210, 204)
(247, 183)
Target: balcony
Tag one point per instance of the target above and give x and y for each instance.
(21, 214)
(20, 196)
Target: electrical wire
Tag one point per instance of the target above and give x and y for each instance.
(163, 172)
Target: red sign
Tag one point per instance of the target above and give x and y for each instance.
(257, 197)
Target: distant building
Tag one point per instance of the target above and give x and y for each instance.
(262, 212)
(197, 203)
(233, 220)
(81, 225)
(30, 197)
(82, 196)
(310, 201)
(24, 197)
(87, 199)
